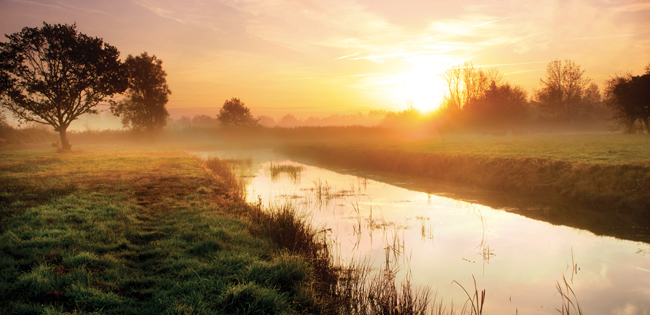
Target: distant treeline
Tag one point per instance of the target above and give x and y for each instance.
(373, 118)
(480, 100)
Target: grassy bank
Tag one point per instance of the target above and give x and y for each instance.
(618, 188)
(137, 232)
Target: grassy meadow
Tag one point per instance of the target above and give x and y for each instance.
(124, 232)
(580, 148)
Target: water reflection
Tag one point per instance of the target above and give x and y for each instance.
(275, 171)
(520, 262)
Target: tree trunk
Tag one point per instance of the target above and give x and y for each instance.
(65, 145)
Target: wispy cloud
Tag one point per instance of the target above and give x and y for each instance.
(60, 6)
(497, 20)
(605, 36)
(365, 74)
(49, 5)
(160, 11)
(348, 56)
(521, 71)
(512, 64)
(404, 54)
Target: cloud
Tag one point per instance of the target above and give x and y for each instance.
(365, 74)
(347, 56)
(160, 11)
(79, 7)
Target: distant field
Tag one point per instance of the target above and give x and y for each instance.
(592, 148)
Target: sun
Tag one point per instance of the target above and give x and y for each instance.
(422, 86)
(425, 90)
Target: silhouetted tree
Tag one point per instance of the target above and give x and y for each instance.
(52, 75)
(629, 98)
(234, 113)
(561, 95)
(500, 105)
(146, 96)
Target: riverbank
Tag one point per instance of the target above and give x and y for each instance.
(138, 232)
(614, 193)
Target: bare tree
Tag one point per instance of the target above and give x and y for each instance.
(563, 90)
(467, 83)
(454, 78)
(52, 75)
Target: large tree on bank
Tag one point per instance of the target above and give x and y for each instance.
(53, 74)
(144, 106)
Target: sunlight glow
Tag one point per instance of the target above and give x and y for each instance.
(423, 85)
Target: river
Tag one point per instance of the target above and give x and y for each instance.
(436, 239)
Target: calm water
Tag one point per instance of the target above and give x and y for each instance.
(517, 260)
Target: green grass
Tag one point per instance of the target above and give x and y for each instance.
(123, 232)
(585, 148)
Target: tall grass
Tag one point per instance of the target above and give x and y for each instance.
(474, 301)
(291, 171)
(569, 300)
(222, 173)
(364, 290)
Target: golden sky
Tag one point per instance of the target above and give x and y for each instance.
(317, 58)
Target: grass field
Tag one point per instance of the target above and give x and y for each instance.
(587, 148)
(141, 232)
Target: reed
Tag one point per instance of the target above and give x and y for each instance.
(369, 292)
(569, 299)
(474, 301)
(277, 170)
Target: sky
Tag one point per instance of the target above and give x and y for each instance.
(318, 58)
